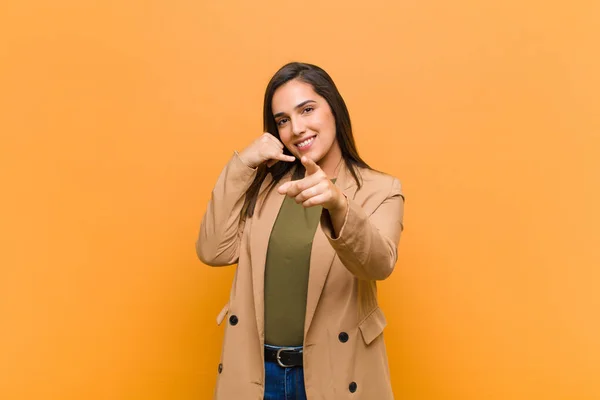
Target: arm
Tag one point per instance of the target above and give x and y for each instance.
(367, 245)
(222, 225)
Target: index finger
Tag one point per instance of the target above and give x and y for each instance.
(293, 188)
(310, 165)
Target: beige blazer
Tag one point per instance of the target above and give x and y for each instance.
(342, 294)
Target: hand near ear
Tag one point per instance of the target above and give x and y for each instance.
(267, 148)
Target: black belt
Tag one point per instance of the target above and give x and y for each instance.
(285, 357)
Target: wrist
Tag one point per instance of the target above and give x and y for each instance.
(339, 205)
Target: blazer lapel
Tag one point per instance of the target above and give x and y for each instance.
(266, 211)
(322, 254)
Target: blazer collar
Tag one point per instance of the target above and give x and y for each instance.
(322, 254)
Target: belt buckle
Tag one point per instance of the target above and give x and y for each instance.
(278, 356)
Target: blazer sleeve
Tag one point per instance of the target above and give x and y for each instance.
(218, 241)
(367, 245)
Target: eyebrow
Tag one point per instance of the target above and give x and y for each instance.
(295, 108)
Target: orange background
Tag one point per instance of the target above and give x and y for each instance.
(117, 117)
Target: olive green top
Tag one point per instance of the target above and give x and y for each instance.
(286, 272)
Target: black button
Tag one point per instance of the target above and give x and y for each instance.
(233, 320)
(220, 368)
(343, 337)
(352, 387)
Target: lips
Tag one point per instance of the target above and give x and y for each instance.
(305, 143)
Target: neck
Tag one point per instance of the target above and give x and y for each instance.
(331, 162)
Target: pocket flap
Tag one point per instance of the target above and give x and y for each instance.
(372, 326)
(222, 314)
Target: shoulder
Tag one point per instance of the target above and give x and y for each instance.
(376, 181)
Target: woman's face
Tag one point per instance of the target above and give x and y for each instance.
(305, 122)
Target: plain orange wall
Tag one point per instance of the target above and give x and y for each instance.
(116, 118)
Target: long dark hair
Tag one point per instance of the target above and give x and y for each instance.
(323, 85)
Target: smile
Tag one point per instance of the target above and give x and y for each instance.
(306, 143)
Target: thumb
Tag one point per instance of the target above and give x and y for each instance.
(310, 165)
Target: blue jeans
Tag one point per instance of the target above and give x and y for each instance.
(283, 383)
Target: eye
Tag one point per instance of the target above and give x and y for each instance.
(281, 122)
(308, 109)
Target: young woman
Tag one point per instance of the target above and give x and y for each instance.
(312, 228)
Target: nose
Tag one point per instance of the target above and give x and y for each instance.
(298, 127)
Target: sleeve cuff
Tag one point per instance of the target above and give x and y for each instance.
(327, 225)
(239, 159)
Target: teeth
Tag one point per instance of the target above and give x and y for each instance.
(305, 143)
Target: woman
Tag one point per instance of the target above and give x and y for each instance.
(312, 228)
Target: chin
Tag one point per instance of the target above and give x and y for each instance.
(316, 158)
